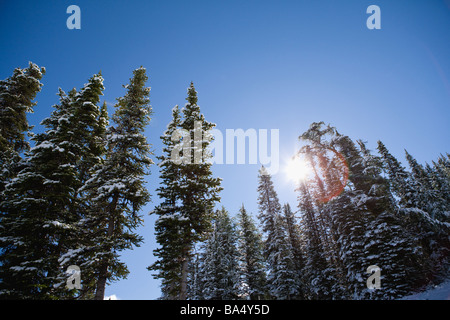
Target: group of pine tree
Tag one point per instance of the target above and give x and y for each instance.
(76, 196)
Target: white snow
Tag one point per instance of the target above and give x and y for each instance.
(46, 145)
(65, 258)
(57, 224)
(439, 292)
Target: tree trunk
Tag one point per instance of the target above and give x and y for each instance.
(101, 282)
(103, 270)
(184, 273)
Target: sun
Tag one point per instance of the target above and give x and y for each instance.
(297, 169)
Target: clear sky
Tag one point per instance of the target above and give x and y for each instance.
(256, 65)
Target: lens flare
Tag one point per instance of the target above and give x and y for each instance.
(297, 169)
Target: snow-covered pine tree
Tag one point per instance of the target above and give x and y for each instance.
(361, 221)
(317, 276)
(293, 234)
(220, 274)
(40, 205)
(283, 278)
(428, 198)
(431, 234)
(399, 179)
(86, 124)
(388, 243)
(252, 266)
(169, 223)
(16, 100)
(116, 190)
(440, 180)
(268, 206)
(196, 283)
(434, 209)
(377, 233)
(322, 192)
(199, 190)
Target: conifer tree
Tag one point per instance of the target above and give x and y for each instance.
(364, 208)
(199, 190)
(293, 234)
(169, 223)
(282, 277)
(323, 196)
(413, 204)
(316, 275)
(116, 191)
(250, 247)
(220, 272)
(268, 206)
(440, 181)
(16, 100)
(41, 207)
(196, 284)
(427, 197)
(188, 192)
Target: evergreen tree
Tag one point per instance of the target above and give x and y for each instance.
(116, 192)
(293, 234)
(250, 247)
(196, 284)
(362, 222)
(220, 272)
(268, 206)
(428, 198)
(416, 206)
(40, 203)
(323, 196)
(317, 276)
(440, 180)
(198, 190)
(169, 223)
(399, 179)
(283, 278)
(16, 100)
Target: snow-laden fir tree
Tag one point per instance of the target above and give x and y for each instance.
(283, 279)
(196, 285)
(169, 223)
(16, 100)
(293, 233)
(389, 244)
(440, 180)
(361, 223)
(417, 205)
(41, 205)
(85, 123)
(197, 190)
(422, 210)
(317, 276)
(116, 192)
(252, 265)
(326, 182)
(219, 270)
(431, 199)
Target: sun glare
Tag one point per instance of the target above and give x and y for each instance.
(297, 169)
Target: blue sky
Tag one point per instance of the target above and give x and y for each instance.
(255, 64)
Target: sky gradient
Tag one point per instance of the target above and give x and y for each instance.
(255, 65)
